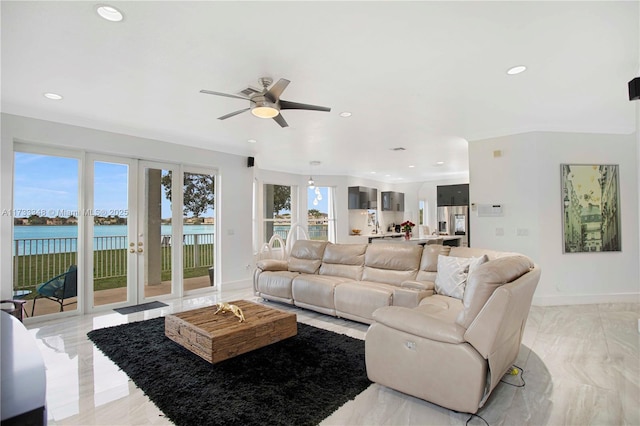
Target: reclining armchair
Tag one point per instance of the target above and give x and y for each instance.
(454, 352)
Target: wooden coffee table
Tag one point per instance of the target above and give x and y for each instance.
(219, 337)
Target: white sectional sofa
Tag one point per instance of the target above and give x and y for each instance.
(353, 280)
(446, 322)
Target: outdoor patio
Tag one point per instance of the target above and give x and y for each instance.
(114, 295)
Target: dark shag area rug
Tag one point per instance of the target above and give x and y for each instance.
(298, 381)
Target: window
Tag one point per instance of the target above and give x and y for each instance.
(277, 211)
(45, 229)
(321, 213)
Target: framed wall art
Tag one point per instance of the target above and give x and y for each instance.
(590, 208)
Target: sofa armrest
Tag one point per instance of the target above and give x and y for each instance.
(418, 324)
(408, 297)
(418, 285)
(272, 265)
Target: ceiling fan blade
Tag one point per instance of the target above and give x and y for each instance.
(210, 92)
(224, 117)
(276, 90)
(280, 120)
(296, 105)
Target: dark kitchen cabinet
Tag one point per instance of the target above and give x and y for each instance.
(392, 201)
(453, 195)
(361, 197)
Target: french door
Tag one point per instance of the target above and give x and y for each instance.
(113, 231)
(133, 226)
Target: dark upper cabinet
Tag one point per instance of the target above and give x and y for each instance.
(361, 197)
(392, 201)
(453, 195)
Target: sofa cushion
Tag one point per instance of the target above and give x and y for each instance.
(306, 256)
(391, 263)
(485, 279)
(430, 253)
(272, 265)
(477, 252)
(360, 299)
(276, 284)
(343, 260)
(315, 290)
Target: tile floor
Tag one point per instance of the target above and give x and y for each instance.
(581, 366)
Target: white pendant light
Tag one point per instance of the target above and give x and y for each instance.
(311, 183)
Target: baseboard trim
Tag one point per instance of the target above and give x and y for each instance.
(237, 285)
(586, 299)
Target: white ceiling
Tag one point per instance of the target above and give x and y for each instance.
(425, 76)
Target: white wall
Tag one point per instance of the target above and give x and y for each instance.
(233, 213)
(526, 181)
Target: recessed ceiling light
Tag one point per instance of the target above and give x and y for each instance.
(439, 163)
(411, 166)
(53, 96)
(345, 114)
(109, 13)
(252, 141)
(387, 175)
(373, 173)
(516, 70)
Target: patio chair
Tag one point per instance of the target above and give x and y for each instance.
(59, 288)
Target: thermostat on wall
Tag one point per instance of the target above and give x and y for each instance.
(490, 210)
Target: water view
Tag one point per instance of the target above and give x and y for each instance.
(40, 239)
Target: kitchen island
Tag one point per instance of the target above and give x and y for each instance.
(394, 237)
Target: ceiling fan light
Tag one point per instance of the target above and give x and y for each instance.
(264, 109)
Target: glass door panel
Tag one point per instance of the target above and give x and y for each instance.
(45, 232)
(110, 232)
(156, 240)
(198, 229)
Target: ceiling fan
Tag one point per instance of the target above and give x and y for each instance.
(267, 103)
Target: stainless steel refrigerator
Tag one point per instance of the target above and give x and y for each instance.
(454, 220)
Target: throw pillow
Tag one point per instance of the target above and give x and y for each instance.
(477, 261)
(451, 279)
(452, 275)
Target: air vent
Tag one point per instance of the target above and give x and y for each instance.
(398, 149)
(249, 91)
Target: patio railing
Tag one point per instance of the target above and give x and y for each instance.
(36, 260)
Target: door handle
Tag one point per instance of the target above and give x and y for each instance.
(132, 251)
(140, 250)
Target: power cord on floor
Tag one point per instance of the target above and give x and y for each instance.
(515, 371)
(475, 415)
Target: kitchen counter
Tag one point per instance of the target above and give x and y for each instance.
(392, 237)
